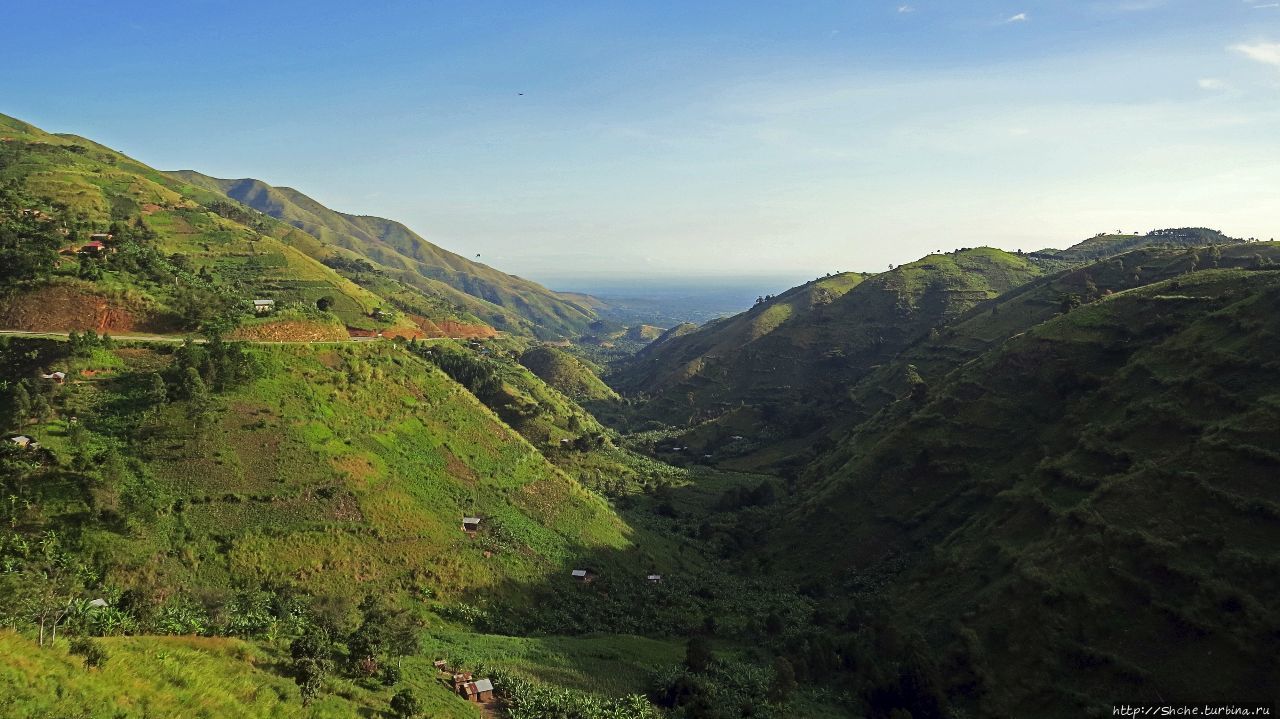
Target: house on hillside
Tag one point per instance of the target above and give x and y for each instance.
(262, 307)
(654, 578)
(59, 377)
(103, 237)
(479, 691)
(584, 576)
(94, 248)
(471, 525)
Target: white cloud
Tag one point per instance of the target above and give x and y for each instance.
(1020, 17)
(905, 9)
(1211, 83)
(1264, 52)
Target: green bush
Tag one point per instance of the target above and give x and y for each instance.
(93, 653)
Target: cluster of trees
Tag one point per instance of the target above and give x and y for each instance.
(351, 265)
(706, 686)
(29, 242)
(475, 373)
(734, 498)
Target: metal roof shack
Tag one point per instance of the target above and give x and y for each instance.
(479, 691)
(470, 525)
(654, 577)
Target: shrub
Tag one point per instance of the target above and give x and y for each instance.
(93, 653)
(405, 704)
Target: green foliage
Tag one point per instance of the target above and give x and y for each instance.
(29, 240)
(94, 655)
(529, 700)
(405, 704)
(313, 663)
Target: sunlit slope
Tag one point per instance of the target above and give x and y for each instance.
(185, 238)
(566, 373)
(512, 303)
(805, 345)
(341, 470)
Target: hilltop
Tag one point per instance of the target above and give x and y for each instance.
(566, 373)
(508, 302)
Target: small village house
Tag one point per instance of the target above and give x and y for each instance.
(654, 578)
(585, 576)
(470, 525)
(479, 691)
(262, 307)
(59, 377)
(96, 248)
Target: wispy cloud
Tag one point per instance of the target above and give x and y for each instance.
(1020, 17)
(904, 9)
(1130, 5)
(1267, 53)
(1211, 83)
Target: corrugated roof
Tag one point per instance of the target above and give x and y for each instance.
(579, 572)
(470, 520)
(483, 685)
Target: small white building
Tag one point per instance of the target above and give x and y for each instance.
(263, 306)
(655, 578)
(59, 377)
(25, 442)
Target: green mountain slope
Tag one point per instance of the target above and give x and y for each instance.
(508, 302)
(780, 367)
(1084, 514)
(566, 373)
(177, 256)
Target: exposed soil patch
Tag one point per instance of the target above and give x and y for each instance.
(450, 328)
(457, 468)
(289, 331)
(57, 308)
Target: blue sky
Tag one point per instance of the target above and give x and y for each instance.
(653, 138)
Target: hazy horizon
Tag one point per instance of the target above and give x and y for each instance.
(672, 140)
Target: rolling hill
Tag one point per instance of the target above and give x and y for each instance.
(508, 302)
(774, 373)
(178, 257)
(1083, 512)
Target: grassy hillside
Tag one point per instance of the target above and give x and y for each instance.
(566, 373)
(773, 374)
(177, 257)
(339, 469)
(1085, 513)
(508, 302)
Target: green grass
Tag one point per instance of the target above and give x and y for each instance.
(180, 676)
